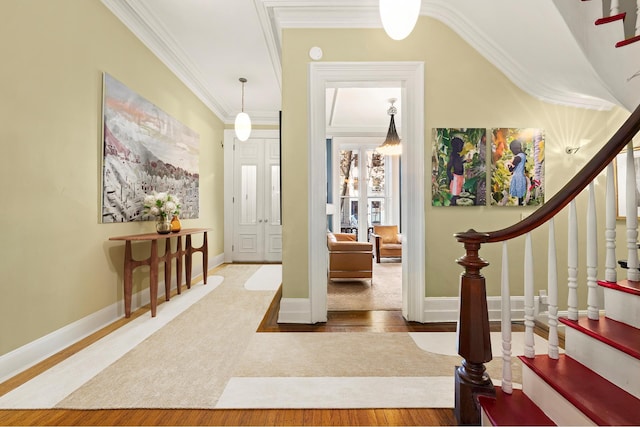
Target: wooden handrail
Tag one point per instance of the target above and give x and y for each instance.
(570, 191)
(474, 343)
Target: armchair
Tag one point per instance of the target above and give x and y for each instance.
(388, 241)
(348, 258)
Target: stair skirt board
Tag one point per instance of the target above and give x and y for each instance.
(616, 366)
(552, 403)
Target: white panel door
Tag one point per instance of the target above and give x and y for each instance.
(256, 202)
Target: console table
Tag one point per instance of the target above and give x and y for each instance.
(154, 260)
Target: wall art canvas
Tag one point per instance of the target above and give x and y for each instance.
(145, 150)
(517, 172)
(459, 171)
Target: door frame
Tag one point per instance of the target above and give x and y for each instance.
(229, 141)
(410, 77)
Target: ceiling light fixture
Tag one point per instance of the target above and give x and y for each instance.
(391, 145)
(399, 17)
(243, 121)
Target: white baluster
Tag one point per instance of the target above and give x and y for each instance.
(632, 218)
(507, 385)
(610, 274)
(592, 255)
(615, 7)
(552, 292)
(572, 262)
(529, 350)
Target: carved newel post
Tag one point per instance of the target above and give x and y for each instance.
(474, 341)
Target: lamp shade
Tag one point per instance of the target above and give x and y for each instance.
(391, 145)
(399, 17)
(243, 126)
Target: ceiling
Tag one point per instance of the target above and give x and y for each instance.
(210, 44)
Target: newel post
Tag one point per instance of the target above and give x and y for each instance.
(474, 341)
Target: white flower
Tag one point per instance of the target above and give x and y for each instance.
(161, 205)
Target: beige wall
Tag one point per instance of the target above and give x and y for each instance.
(56, 263)
(462, 89)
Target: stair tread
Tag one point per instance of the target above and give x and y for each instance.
(513, 410)
(600, 400)
(626, 286)
(611, 332)
(628, 41)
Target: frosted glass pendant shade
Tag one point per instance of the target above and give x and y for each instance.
(399, 17)
(243, 126)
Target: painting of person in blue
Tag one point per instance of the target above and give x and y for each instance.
(518, 185)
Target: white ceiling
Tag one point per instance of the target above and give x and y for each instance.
(210, 44)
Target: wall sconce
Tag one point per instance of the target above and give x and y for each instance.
(571, 150)
(399, 17)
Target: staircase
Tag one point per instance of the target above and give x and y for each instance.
(611, 42)
(596, 381)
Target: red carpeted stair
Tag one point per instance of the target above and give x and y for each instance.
(615, 334)
(597, 398)
(513, 410)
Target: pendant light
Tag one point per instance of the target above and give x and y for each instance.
(399, 17)
(391, 145)
(243, 121)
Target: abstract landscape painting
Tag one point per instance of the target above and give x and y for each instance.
(145, 150)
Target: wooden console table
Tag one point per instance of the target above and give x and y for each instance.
(154, 260)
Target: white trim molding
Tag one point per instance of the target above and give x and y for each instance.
(295, 310)
(446, 309)
(409, 76)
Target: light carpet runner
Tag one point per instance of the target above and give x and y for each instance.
(211, 357)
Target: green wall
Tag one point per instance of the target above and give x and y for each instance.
(57, 265)
(462, 89)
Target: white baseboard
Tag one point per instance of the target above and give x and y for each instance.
(295, 310)
(36, 351)
(446, 309)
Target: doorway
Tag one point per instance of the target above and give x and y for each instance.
(410, 77)
(253, 230)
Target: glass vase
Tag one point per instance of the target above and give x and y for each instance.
(163, 226)
(175, 224)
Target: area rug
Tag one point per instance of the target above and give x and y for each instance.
(383, 292)
(210, 356)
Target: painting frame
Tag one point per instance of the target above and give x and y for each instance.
(620, 181)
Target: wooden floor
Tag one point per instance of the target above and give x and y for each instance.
(347, 321)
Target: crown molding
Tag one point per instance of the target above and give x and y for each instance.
(143, 24)
(364, 14)
(528, 82)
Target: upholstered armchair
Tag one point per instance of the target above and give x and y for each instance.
(388, 242)
(348, 258)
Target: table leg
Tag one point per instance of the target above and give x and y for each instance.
(153, 277)
(180, 253)
(128, 278)
(205, 258)
(167, 269)
(188, 256)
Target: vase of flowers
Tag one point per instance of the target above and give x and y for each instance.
(163, 206)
